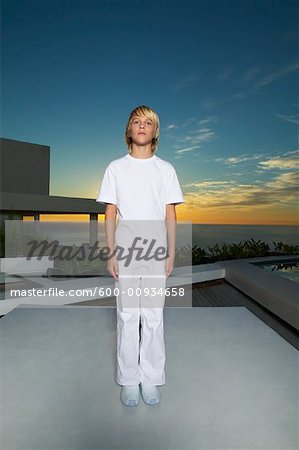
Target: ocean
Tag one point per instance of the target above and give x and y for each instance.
(208, 235)
(201, 235)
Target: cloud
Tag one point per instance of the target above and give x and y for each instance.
(208, 183)
(285, 179)
(195, 138)
(251, 73)
(280, 162)
(232, 160)
(210, 102)
(291, 152)
(188, 122)
(207, 120)
(185, 82)
(187, 149)
(291, 119)
(262, 80)
(256, 79)
(238, 95)
(276, 75)
(198, 136)
(281, 190)
(237, 174)
(225, 73)
(193, 121)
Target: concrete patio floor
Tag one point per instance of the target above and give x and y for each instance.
(231, 383)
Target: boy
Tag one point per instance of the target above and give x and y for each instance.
(143, 190)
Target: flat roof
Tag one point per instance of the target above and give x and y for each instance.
(49, 204)
(226, 374)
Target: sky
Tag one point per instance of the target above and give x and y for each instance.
(222, 75)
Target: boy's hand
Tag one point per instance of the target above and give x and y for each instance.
(169, 265)
(112, 267)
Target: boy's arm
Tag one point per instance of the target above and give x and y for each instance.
(171, 237)
(171, 228)
(110, 226)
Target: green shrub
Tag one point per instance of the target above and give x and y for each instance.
(286, 249)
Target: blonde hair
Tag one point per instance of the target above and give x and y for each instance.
(143, 111)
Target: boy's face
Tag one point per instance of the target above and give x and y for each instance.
(142, 130)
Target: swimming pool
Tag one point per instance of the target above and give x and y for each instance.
(288, 268)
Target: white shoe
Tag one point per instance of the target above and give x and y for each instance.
(150, 394)
(130, 395)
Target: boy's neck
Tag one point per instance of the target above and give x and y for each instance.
(142, 151)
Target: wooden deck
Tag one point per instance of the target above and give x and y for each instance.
(220, 293)
(215, 293)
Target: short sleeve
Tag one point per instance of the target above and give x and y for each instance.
(174, 193)
(107, 190)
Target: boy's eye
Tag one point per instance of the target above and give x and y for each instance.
(148, 122)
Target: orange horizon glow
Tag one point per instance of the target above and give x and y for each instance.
(201, 218)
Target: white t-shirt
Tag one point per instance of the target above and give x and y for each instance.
(140, 188)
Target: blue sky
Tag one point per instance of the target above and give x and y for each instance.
(221, 74)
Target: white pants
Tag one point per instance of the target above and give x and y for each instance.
(142, 361)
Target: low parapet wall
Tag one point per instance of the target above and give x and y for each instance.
(22, 266)
(276, 293)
